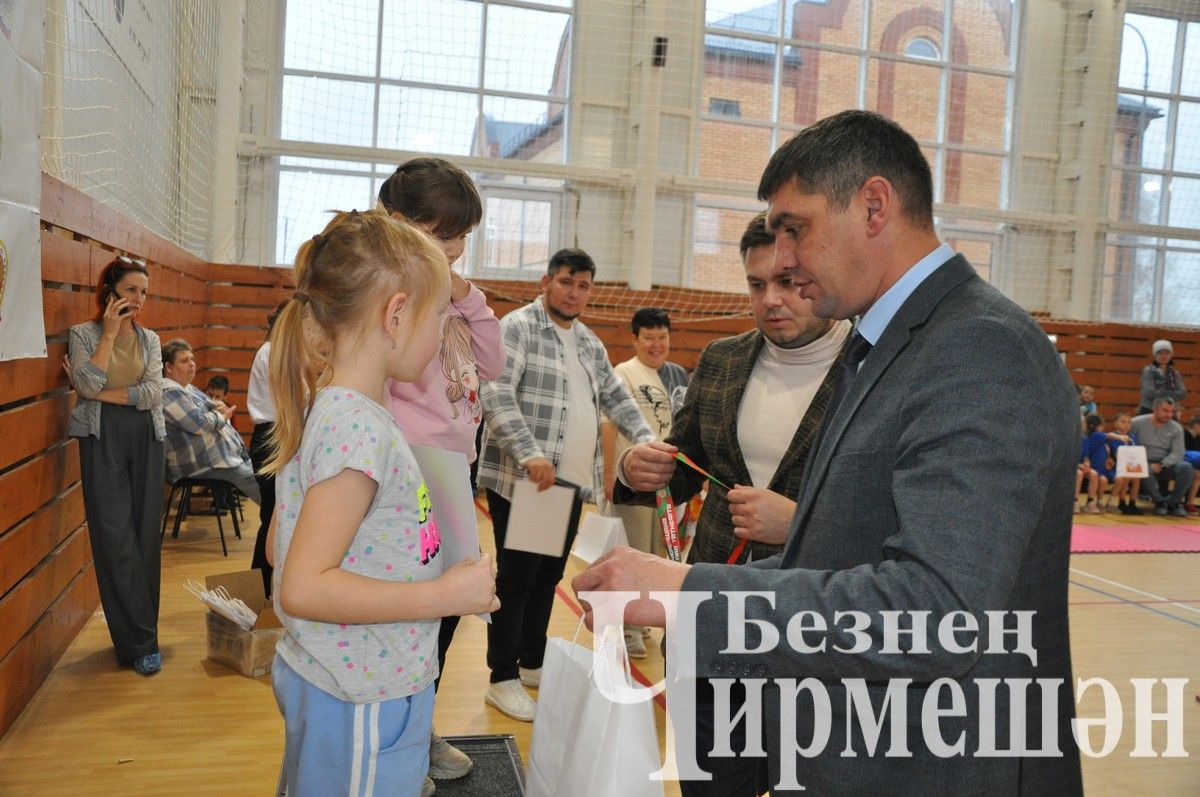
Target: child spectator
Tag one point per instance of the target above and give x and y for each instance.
(1125, 488)
(1160, 379)
(217, 388)
(1087, 400)
(1092, 457)
(1191, 434)
(1191, 455)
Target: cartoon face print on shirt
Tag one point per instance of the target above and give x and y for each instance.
(431, 535)
(468, 376)
(458, 364)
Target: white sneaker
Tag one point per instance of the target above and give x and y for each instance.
(530, 678)
(509, 697)
(635, 643)
(428, 788)
(447, 762)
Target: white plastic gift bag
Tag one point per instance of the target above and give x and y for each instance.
(1131, 462)
(598, 534)
(585, 744)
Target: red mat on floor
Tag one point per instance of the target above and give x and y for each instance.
(1133, 538)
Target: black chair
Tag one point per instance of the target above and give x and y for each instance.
(237, 495)
(224, 498)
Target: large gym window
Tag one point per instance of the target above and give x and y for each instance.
(943, 70)
(1154, 195)
(480, 78)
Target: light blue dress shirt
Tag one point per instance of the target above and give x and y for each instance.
(873, 322)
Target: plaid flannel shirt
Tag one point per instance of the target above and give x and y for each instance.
(526, 408)
(198, 437)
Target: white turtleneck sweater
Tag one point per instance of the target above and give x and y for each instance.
(781, 387)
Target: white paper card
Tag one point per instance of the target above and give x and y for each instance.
(539, 521)
(448, 478)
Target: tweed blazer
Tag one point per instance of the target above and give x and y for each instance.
(901, 510)
(705, 428)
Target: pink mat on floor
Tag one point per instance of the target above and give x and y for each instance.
(1134, 538)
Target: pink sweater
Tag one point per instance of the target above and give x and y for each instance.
(442, 409)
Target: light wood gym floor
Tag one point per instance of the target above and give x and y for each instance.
(198, 728)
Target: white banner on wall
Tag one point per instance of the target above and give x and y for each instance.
(22, 328)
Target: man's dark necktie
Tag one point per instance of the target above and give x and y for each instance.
(856, 352)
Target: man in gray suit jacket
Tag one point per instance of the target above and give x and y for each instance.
(902, 520)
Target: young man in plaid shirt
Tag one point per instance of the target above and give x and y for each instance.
(543, 422)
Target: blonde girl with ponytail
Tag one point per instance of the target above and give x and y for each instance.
(360, 579)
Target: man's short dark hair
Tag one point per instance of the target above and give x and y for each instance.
(756, 235)
(217, 382)
(837, 154)
(171, 350)
(650, 318)
(1161, 400)
(575, 259)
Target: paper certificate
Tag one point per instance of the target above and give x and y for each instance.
(540, 522)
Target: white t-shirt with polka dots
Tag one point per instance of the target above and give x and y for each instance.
(398, 540)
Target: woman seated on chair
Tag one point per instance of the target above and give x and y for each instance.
(201, 442)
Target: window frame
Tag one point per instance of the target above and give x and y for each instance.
(866, 56)
(475, 258)
(781, 130)
(1157, 236)
(373, 166)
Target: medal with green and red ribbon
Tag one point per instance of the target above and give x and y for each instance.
(686, 460)
(666, 519)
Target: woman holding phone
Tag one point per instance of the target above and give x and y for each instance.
(116, 368)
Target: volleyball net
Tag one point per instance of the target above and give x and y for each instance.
(638, 131)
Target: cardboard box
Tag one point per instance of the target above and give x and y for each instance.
(249, 652)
